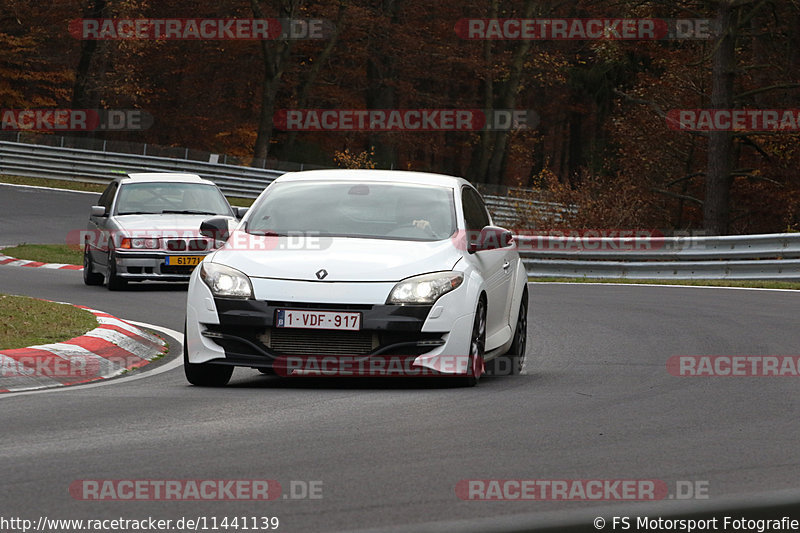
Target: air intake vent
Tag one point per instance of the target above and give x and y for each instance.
(319, 342)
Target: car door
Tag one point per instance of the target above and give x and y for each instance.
(495, 268)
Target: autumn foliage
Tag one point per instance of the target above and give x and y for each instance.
(601, 142)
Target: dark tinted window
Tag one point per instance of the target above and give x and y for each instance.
(475, 214)
(107, 198)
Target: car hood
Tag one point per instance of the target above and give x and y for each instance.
(344, 259)
(168, 223)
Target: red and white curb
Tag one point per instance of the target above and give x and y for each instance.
(106, 351)
(13, 261)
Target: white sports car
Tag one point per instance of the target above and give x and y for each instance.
(358, 272)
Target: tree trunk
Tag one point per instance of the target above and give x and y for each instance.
(508, 100)
(81, 99)
(275, 54)
(313, 74)
(716, 208)
(381, 93)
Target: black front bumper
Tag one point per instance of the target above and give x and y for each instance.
(248, 335)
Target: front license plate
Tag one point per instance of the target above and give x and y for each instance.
(295, 318)
(183, 260)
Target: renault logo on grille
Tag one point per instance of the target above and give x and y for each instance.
(322, 274)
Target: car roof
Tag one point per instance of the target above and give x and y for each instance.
(154, 177)
(387, 176)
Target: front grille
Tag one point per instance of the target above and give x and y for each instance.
(319, 342)
(193, 245)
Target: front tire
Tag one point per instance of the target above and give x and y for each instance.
(89, 276)
(477, 347)
(520, 344)
(115, 283)
(204, 374)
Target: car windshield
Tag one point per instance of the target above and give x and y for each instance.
(181, 198)
(355, 209)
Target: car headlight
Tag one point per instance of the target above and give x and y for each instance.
(137, 243)
(424, 289)
(225, 281)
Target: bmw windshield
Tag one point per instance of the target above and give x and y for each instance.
(155, 198)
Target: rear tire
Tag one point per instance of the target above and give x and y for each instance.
(204, 374)
(89, 276)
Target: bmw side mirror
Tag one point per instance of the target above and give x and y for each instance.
(215, 228)
(98, 211)
(240, 211)
(489, 238)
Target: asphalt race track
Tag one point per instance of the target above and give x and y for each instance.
(596, 402)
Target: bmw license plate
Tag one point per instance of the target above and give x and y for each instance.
(183, 260)
(296, 318)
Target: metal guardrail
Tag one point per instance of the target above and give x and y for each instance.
(734, 257)
(742, 257)
(75, 164)
(508, 210)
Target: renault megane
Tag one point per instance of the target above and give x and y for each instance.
(358, 272)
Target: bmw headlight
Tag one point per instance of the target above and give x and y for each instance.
(225, 281)
(139, 243)
(424, 289)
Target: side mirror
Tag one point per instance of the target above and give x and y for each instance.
(240, 211)
(489, 238)
(98, 211)
(215, 228)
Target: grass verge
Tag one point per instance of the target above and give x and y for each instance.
(749, 284)
(91, 187)
(46, 253)
(27, 322)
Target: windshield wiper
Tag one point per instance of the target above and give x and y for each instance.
(136, 213)
(188, 212)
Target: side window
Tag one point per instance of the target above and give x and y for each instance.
(107, 198)
(475, 214)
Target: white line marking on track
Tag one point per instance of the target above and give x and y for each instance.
(663, 286)
(48, 188)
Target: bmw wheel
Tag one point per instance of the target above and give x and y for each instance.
(115, 283)
(89, 276)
